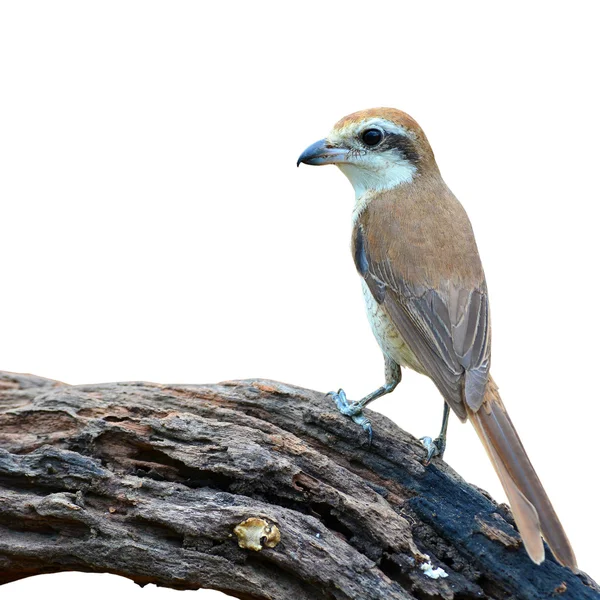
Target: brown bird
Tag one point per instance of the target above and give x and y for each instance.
(427, 300)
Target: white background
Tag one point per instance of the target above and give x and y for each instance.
(154, 225)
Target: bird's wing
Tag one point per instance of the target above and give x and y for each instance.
(448, 330)
(418, 256)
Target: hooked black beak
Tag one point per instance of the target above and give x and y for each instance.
(320, 153)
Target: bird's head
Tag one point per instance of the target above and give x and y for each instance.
(377, 149)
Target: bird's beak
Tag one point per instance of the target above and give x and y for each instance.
(322, 153)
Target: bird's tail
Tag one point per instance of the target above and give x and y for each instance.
(531, 507)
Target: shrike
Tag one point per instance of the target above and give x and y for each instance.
(427, 300)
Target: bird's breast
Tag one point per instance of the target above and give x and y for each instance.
(387, 335)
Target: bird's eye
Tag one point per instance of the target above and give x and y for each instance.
(371, 137)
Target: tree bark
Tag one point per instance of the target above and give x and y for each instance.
(158, 482)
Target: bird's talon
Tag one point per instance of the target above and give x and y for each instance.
(353, 410)
(339, 397)
(362, 420)
(369, 429)
(434, 448)
(347, 408)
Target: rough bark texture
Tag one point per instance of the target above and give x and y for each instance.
(149, 481)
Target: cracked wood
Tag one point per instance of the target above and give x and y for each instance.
(150, 481)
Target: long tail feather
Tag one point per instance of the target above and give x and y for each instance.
(532, 510)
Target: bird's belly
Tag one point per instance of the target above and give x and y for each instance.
(387, 335)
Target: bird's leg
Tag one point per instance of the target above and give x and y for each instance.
(393, 375)
(436, 447)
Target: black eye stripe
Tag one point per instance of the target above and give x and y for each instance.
(402, 143)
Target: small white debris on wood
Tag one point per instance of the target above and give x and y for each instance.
(427, 568)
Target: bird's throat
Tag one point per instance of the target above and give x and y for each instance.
(370, 178)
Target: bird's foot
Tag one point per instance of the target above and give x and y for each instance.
(434, 447)
(353, 410)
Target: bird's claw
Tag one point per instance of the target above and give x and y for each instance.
(362, 420)
(353, 410)
(434, 447)
(349, 409)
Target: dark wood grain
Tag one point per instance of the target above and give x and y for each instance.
(149, 481)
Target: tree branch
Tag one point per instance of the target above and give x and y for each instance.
(157, 483)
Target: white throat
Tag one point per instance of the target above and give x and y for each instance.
(370, 179)
(377, 177)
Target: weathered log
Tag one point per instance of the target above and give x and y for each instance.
(157, 483)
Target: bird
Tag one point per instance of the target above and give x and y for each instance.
(427, 300)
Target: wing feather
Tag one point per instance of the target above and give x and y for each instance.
(446, 328)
